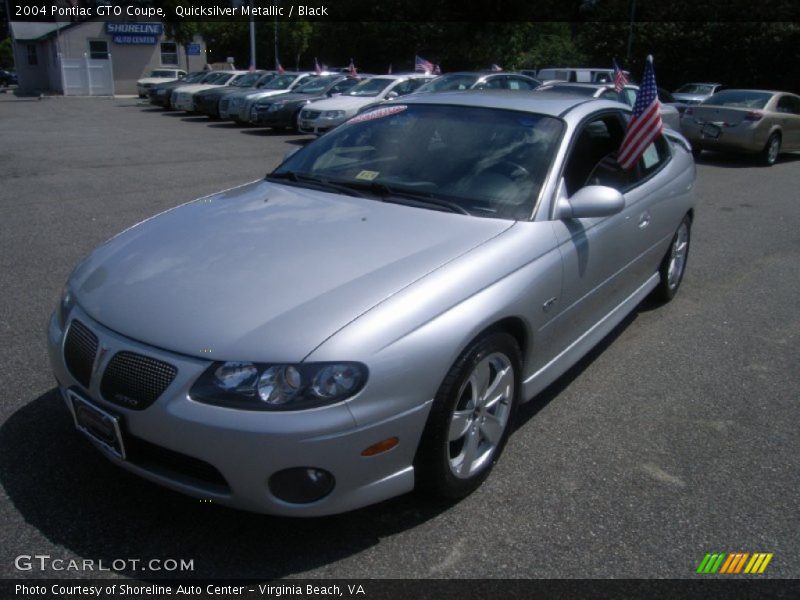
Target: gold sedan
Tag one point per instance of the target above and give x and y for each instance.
(750, 121)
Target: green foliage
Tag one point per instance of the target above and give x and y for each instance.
(6, 54)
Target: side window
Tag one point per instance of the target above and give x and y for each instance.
(629, 96)
(343, 85)
(611, 95)
(405, 87)
(786, 105)
(654, 156)
(592, 160)
(169, 53)
(515, 83)
(98, 49)
(495, 83)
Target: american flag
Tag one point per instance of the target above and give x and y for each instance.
(317, 68)
(420, 64)
(351, 69)
(620, 78)
(645, 124)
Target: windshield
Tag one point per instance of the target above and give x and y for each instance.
(159, 73)
(371, 87)
(281, 82)
(454, 81)
(317, 85)
(695, 88)
(211, 77)
(196, 77)
(739, 99)
(246, 80)
(483, 161)
(224, 78)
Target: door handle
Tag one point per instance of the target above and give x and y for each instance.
(644, 220)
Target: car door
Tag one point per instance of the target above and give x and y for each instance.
(606, 259)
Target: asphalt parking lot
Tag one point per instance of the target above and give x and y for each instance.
(676, 437)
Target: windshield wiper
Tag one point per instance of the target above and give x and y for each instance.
(412, 197)
(316, 182)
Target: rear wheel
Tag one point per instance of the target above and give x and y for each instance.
(470, 419)
(674, 264)
(769, 155)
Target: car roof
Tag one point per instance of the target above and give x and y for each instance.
(553, 104)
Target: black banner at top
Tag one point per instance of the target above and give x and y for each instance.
(407, 10)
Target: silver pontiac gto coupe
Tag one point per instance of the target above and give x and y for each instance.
(367, 319)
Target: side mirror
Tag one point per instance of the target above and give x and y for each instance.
(392, 95)
(590, 201)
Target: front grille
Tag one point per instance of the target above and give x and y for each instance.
(135, 381)
(174, 465)
(310, 114)
(80, 348)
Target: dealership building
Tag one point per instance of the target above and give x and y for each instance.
(96, 57)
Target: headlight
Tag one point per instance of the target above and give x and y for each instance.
(276, 106)
(332, 114)
(64, 307)
(252, 386)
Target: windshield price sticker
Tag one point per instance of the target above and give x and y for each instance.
(378, 113)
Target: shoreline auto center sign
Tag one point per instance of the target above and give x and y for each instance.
(134, 33)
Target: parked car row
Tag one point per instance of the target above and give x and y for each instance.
(711, 116)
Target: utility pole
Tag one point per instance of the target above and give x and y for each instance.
(252, 39)
(630, 35)
(277, 60)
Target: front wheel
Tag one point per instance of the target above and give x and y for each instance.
(674, 264)
(470, 419)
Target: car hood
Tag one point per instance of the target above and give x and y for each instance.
(293, 97)
(265, 271)
(156, 80)
(345, 102)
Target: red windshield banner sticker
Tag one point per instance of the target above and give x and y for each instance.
(378, 113)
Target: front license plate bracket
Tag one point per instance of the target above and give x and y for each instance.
(100, 426)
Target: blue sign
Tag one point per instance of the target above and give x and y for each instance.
(193, 49)
(152, 29)
(134, 39)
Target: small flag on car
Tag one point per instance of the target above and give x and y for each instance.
(620, 78)
(317, 68)
(280, 69)
(351, 69)
(422, 65)
(645, 125)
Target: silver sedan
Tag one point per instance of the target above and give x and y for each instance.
(367, 319)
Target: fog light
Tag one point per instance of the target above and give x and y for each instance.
(301, 485)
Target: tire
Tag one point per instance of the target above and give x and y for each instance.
(673, 266)
(465, 434)
(769, 155)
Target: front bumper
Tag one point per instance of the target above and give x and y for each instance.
(184, 101)
(245, 448)
(275, 118)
